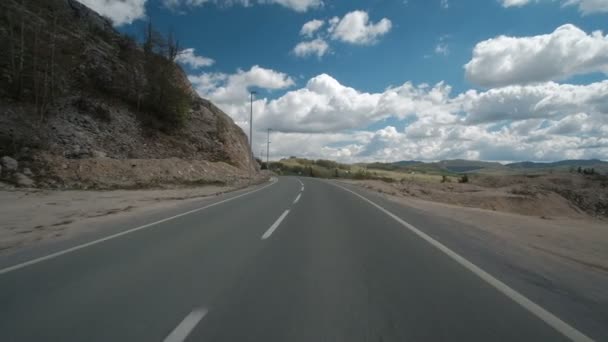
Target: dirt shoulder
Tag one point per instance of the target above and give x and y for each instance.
(36, 216)
(574, 237)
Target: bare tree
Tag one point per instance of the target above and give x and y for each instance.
(172, 46)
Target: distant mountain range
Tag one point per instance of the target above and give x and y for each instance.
(563, 163)
(462, 165)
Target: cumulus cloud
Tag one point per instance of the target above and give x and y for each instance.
(356, 28)
(234, 88)
(326, 119)
(353, 28)
(324, 104)
(309, 28)
(589, 6)
(188, 57)
(547, 100)
(585, 7)
(121, 12)
(318, 47)
(566, 52)
(296, 5)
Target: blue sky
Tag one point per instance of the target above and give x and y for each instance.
(333, 102)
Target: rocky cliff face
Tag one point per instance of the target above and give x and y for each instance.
(72, 90)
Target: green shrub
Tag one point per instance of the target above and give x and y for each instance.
(464, 179)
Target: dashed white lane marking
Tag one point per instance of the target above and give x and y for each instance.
(549, 318)
(132, 230)
(275, 225)
(183, 329)
(302, 189)
(297, 198)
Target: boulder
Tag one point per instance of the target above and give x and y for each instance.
(9, 164)
(98, 154)
(27, 172)
(23, 180)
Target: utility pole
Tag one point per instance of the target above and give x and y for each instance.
(251, 123)
(251, 134)
(268, 150)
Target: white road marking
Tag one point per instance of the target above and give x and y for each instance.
(302, 184)
(275, 225)
(302, 189)
(297, 198)
(520, 299)
(132, 230)
(182, 331)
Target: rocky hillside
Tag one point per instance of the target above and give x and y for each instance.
(75, 93)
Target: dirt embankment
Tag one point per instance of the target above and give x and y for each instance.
(65, 214)
(553, 195)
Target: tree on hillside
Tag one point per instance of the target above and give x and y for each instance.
(163, 95)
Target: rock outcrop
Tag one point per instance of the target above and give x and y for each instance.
(74, 90)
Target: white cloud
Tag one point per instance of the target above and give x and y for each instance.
(356, 28)
(318, 47)
(514, 3)
(588, 6)
(324, 104)
(545, 101)
(234, 89)
(296, 5)
(325, 119)
(585, 7)
(444, 4)
(189, 57)
(442, 47)
(121, 12)
(353, 28)
(309, 28)
(566, 52)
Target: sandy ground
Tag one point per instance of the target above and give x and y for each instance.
(35, 216)
(576, 238)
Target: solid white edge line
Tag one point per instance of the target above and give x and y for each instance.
(302, 184)
(275, 225)
(520, 299)
(297, 198)
(113, 236)
(184, 328)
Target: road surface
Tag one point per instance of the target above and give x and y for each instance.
(297, 259)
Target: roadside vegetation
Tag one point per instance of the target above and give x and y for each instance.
(48, 56)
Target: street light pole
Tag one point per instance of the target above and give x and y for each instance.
(251, 134)
(251, 123)
(268, 150)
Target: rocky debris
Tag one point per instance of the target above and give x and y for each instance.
(9, 164)
(23, 180)
(98, 154)
(108, 173)
(27, 172)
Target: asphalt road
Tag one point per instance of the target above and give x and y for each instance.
(296, 260)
